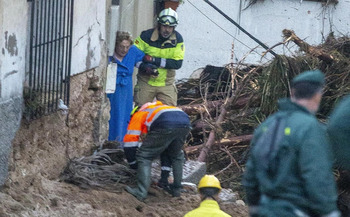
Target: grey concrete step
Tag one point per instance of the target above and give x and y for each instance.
(193, 171)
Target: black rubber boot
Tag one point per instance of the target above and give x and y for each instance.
(163, 181)
(143, 181)
(177, 173)
(135, 192)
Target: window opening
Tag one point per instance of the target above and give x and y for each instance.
(50, 56)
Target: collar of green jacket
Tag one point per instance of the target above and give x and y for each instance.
(171, 39)
(286, 104)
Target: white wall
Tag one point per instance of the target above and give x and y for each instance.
(13, 35)
(12, 47)
(88, 31)
(136, 16)
(206, 43)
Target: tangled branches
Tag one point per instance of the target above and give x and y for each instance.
(98, 171)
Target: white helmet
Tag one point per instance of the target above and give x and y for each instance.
(168, 17)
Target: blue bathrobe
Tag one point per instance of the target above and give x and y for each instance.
(121, 100)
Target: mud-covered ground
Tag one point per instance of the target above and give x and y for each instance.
(40, 153)
(39, 196)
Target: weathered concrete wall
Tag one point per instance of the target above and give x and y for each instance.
(113, 24)
(136, 16)
(45, 145)
(13, 43)
(89, 30)
(87, 124)
(12, 71)
(206, 43)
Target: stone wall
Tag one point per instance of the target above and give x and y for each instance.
(45, 145)
(10, 114)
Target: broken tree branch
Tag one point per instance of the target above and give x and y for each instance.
(314, 51)
(224, 142)
(211, 139)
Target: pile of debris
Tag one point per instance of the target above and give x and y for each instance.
(104, 169)
(227, 103)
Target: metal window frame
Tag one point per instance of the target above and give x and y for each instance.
(50, 56)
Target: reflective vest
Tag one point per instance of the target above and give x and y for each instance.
(172, 49)
(141, 122)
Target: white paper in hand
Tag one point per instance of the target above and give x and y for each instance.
(111, 77)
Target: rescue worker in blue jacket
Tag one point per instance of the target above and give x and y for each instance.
(164, 129)
(164, 48)
(289, 171)
(339, 133)
(209, 188)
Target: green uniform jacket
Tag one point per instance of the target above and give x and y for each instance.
(339, 132)
(291, 169)
(209, 208)
(169, 54)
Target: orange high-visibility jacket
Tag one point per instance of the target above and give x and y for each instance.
(141, 122)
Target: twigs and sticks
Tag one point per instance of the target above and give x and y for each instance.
(317, 52)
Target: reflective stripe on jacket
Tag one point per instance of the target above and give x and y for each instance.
(141, 122)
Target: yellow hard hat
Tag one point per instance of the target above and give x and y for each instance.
(209, 181)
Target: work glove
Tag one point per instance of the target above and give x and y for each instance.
(154, 60)
(148, 69)
(149, 59)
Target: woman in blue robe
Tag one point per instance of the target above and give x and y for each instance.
(127, 56)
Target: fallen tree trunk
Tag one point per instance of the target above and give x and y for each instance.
(314, 51)
(200, 108)
(224, 142)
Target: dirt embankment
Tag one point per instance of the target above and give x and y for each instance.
(44, 197)
(41, 151)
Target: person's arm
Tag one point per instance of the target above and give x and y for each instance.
(250, 184)
(315, 165)
(163, 62)
(173, 59)
(250, 181)
(132, 137)
(339, 133)
(138, 54)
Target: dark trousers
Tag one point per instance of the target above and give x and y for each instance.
(170, 140)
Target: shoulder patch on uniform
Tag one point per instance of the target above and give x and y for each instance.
(287, 131)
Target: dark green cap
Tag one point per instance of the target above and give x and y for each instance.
(312, 76)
